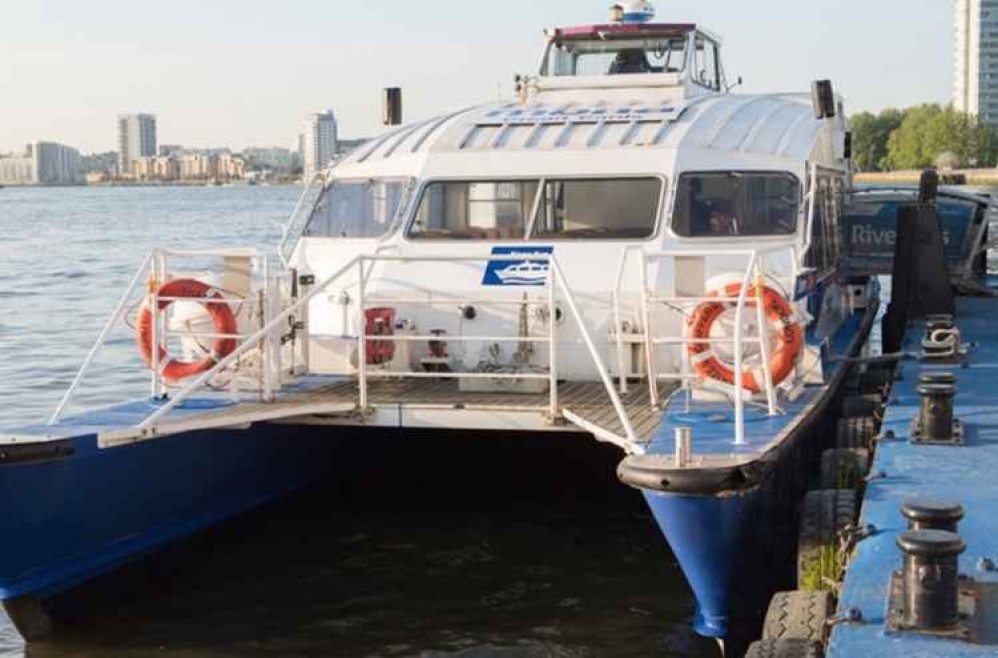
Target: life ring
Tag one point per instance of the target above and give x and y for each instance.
(784, 324)
(173, 370)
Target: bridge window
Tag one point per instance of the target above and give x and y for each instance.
(475, 210)
(618, 56)
(707, 71)
(731, 203)
(356, 209)
(598, 209)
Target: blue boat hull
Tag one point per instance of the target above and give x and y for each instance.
(737, 549)
(733, 528)
(73, 513)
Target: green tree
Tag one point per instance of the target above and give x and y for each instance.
(906, 148)
(927, 131)
(870, 133)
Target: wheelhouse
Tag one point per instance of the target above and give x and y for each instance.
(677, 54)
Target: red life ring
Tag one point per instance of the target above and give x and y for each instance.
(784, 323)
(171, 369)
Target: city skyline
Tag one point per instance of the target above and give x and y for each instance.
(302, 57)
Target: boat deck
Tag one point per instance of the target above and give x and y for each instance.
(964, 474)
(392, 403)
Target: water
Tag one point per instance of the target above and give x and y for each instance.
(564, 564)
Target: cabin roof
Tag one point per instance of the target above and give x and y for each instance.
(620, 31)
(774, 126)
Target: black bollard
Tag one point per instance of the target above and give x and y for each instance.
(948, 378)
(931, 579)
(932, 515)
(936, 416)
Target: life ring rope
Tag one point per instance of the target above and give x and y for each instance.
(171, 369)
(785, 327)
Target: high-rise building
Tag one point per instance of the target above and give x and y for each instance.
(136, 139)
(976, 88)
(321, 143)
(43, 163)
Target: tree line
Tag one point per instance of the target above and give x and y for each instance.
(922, 137)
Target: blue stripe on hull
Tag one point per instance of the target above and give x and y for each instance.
(67, 520)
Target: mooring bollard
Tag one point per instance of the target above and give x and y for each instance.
(936, 416)
(942, 338)
(939, 321)
(684, 446)
(932, 515)
(931, 579)
(938, 378)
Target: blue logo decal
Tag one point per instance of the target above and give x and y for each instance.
(515, 272)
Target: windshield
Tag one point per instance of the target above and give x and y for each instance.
(599, 209)
(660, 55)
(734, 203)
(356, 209)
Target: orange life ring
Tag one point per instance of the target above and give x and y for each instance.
(171, 369)
(788, 331)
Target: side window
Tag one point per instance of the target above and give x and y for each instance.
(706, 59)
(598, 209)
(837, 222)
(718, 73)
(736, 203)
(473, 210)
(816, 251)
(827, 238)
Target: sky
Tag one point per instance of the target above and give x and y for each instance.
(243, 73)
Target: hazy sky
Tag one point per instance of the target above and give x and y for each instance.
(245, 72)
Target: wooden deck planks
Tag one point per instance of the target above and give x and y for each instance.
(589, 400)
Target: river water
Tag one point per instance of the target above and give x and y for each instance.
(569, 564)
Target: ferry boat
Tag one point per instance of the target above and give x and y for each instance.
(588, 257)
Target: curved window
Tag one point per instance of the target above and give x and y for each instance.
(732, 203)
(356, 209)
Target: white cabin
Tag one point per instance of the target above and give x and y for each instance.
(624, 149)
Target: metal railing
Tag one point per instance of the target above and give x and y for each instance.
(556, 285)
(154, 272)
(753, 278)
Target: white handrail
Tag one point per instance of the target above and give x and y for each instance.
(361, 332)
(119, 310)
(552, 341)
(155, 268)
(646, 322)
(755, 267)
(760, 315)
(249, 344)
(556, 277)
(739, 338)
(594, 353)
